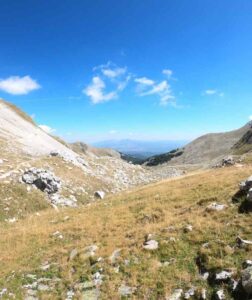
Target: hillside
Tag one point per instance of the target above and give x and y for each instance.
(244, 145)
(78, 171)
(78, 222)
(207, 149)
(97, 251)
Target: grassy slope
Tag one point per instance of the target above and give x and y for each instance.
(122, 222)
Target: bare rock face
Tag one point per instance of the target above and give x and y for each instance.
(43, 179)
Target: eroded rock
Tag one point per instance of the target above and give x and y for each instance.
(43, 179)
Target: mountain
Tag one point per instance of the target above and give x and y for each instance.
(72, 226)
(208, 148)
(83, 148)
(79, 169)
(244, 144)
(140, 149)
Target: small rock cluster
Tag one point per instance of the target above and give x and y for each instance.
(47, 182)
(43, 179)
(226, 162)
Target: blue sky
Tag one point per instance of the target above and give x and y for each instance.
(154, 69)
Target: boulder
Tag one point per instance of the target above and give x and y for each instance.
(188, 228)
(150, 245)
(115, 255)
(246, 280)
(215, 207)
(246, 185)
(43, 179)
(99, 194)
(228, 161)
(223, 276)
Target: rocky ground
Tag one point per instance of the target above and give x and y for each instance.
(187, 238)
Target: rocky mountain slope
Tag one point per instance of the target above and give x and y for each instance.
(207, 149)
(76, 225)
(31, 156)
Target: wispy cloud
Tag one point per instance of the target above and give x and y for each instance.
(167, 72)
(107, 76)
(210, 92)
(16, 85)
(162, 89)
(250, 117)
(144, 81)
(47, 128)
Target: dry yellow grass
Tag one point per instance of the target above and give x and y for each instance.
(121, 222)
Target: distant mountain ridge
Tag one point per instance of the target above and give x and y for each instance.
(140, 149)
(208, 148)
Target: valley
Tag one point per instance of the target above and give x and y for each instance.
(78, 222)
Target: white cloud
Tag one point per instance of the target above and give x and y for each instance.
(111, 70)
(213, 92)
(162, 90)
(250, 117)
(167, 72)
(96, 91)
(158, 88)
(144, 81)
(107, 76)
(47, 129)
(16, 85)
(210, 92)
(113, 73)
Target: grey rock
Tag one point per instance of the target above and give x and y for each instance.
(57, 200)
(246, 280)
(43, 179)
(228, 161)
(90, 250)
(247, 263)
(246, 185)
(150, 245)
(241, 242)
(99, 194)
(125, 290)
(115, 255)
(188, 228)
(73, 254)
(220, 295)
(215, 207)
(176, 295)
(190, 293)
(223, 276)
